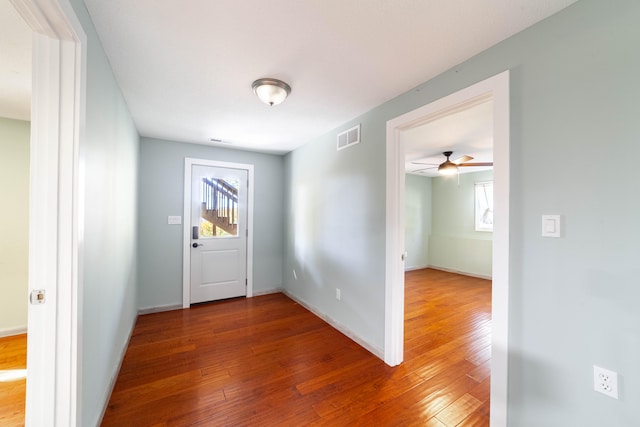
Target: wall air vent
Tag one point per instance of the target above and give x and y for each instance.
(349, 137)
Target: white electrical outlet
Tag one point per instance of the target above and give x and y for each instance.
(605, 381)
(338, 294)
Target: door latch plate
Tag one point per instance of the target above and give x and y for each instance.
(37, 296)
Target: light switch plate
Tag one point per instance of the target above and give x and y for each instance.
(550, 225)
(174, 219)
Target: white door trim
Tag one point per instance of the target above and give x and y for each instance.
(498, 88)
(186, 237)
(55, 212)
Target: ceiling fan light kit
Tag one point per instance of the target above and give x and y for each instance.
(271, 91)
(449, 167)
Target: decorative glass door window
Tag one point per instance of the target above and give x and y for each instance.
(219, 211)
(484, 206)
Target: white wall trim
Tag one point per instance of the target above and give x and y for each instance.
(501, 252)
(159, 309)
(55, 217)
(462, 273)
(9, 332)
(338, 326)
(497, 88)
(268, 291)
(186, 237)
(115, 372)
(395, 250)
(418, 267)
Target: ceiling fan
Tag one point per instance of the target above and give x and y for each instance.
(449, 167)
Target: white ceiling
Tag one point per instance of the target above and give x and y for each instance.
(15, 64)
(467, 133)
(186, 68)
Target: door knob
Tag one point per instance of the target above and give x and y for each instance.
(195, 245)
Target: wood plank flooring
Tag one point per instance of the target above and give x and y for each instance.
(266, 361)
(13, 362)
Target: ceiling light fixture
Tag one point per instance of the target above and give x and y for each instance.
(448, 167)
(271, 91)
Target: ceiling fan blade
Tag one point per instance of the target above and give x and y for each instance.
(476, 164)
(423, 163)
(462, 159)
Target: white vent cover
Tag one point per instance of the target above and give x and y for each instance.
(349, 137)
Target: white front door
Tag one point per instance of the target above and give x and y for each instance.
(218, 233)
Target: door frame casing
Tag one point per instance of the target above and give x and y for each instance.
(54, 337)
(186, 241)
(497, 87)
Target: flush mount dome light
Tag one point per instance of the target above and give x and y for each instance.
(271, 91)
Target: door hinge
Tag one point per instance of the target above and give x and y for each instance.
(246, 282)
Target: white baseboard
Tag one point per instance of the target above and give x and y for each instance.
(268, 291)
(8, 332)
(416, 268)
(170, 307)
(378, 352)
(464, 273)
(116, 371)
(158, 309)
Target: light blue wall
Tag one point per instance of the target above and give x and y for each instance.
(454, 243)
(439, 224)
(417, 219)
(109, 153)
(573, 300)
(161, 194)
(335, 231)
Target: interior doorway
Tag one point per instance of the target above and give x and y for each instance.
(15, 108)
(55, 254)
(444, 212)
(497, 89)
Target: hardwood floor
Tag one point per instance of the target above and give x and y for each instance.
(13, 363)
(267, 361)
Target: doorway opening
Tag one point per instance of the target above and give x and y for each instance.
(55, 212)
(448, 218)
(497, 89)
(15, 106)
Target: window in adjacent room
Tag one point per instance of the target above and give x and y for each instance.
(484, 206)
